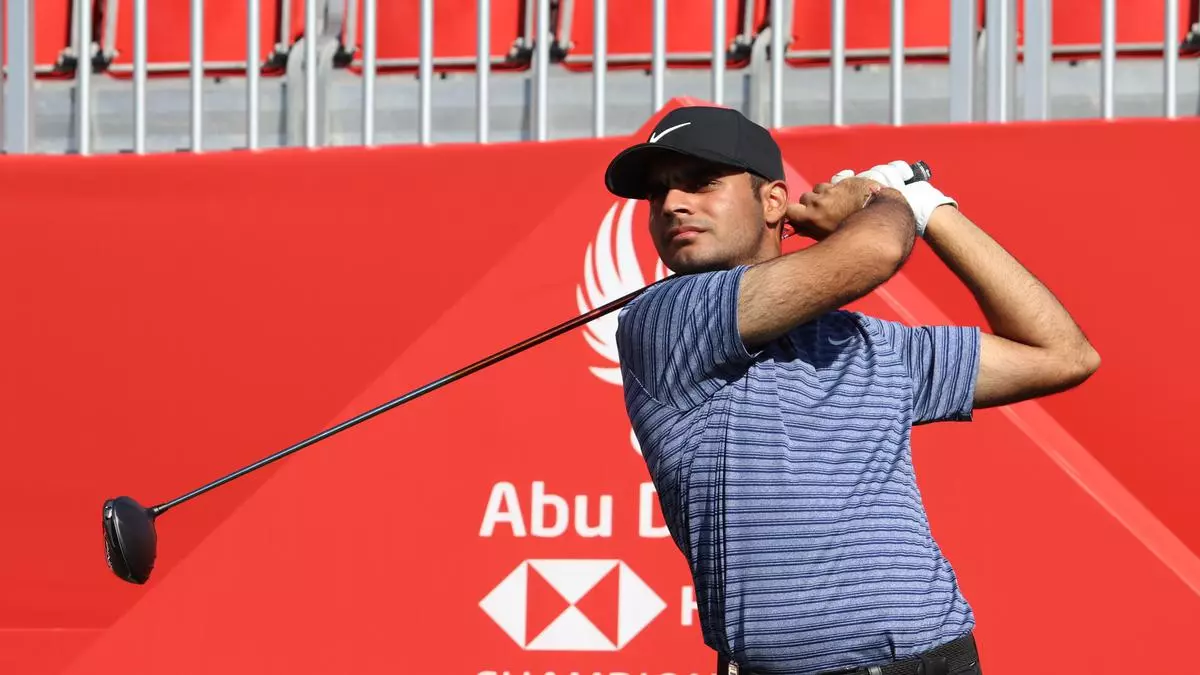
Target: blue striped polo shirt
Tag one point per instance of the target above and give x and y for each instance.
(785, 476)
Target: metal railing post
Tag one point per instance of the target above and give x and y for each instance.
(253, 50)
(196, 73)
(999, 40)
(483, 50)
(599, 66)
(140, 58)
(963, 42)
(310, 73)
(1108, 56)
(897, 63)
(425, 74)
(1170, 58)
(718, 52)
(370, 33)
(542, 74)
(83, 78)
(837, 63)
(778, 30)
(19, 133)
(1038, 17)
(658, 54)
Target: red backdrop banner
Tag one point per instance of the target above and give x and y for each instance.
(172, 318)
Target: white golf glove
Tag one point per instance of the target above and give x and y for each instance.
(922, 196)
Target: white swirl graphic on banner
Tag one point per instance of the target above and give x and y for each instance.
(609, 274)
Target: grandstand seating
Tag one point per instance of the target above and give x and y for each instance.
(398, 38)
(167, 35)
(1076, 36)
(630, 32)
(868, 29)
(1077, 26)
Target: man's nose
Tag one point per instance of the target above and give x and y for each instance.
(678, 201)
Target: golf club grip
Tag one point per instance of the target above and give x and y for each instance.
(921, 172)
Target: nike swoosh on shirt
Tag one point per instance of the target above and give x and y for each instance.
(840, 342)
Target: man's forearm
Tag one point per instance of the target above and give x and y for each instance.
(1017, 306)
(790, 290)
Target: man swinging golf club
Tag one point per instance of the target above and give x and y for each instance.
(776, 426)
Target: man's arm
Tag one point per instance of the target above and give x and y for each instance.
(865, 251)
(1037, 348)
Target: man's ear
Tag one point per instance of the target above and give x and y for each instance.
(775, 202)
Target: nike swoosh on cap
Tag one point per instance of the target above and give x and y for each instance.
(656, 137)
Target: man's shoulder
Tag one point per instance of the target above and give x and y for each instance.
(632, 317)
(636, 309)
(683, 286)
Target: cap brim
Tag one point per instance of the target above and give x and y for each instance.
(628, 174)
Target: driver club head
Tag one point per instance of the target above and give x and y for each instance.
(130, 542)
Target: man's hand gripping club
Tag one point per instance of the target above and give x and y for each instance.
(922, 196)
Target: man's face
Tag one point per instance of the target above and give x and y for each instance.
(705, 216)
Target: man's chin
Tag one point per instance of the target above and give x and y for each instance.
(694, 262)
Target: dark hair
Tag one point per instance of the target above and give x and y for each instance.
(756, 183)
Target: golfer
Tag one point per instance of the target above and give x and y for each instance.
(776, 426)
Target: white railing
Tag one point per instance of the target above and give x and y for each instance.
(1001, 50)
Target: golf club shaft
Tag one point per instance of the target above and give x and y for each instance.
(920, 172)
(436, 384)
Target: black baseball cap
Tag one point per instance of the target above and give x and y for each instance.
(715, 134)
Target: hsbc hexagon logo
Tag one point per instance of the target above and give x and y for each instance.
(572, 605)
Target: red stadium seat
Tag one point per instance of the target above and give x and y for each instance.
(1077, 25)
(868, 30)
(52, 33)
(631, 36)
(168, 30)
(454, 29)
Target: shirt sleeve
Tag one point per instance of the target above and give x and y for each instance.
(680, 340)
(943, 362)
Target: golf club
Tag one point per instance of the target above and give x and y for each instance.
(130, 537)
